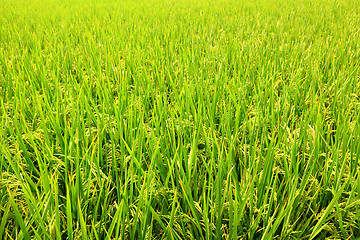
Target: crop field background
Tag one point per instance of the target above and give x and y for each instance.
(179, 119)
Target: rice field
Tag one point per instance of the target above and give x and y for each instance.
(179, 119)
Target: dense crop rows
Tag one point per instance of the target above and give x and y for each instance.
(178, 120)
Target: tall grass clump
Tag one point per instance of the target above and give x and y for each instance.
(179, 119)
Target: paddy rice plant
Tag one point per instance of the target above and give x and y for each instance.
(179, 119)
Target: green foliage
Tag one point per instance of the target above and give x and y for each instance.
(179, 119)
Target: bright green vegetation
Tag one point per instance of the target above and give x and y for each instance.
(174, 120)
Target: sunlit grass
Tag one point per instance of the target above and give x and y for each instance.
(179, 120)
